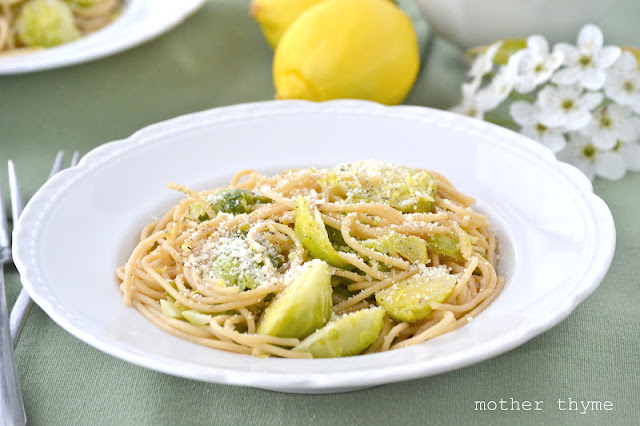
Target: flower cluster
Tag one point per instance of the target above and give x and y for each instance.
(582, 102)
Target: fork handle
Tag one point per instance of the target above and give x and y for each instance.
(11, 405)
(19, 314)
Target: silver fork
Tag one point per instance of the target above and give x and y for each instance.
(11, 404)
(23, 303)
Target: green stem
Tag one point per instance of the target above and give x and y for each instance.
(522, 96)
(501, 122)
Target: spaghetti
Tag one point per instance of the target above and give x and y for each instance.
(33, 24)
(211, 266)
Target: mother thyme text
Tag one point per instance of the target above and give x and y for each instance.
(569, 404)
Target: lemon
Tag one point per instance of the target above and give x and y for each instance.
(358, 49)
(275, 16)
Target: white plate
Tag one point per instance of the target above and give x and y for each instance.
(556, 237)
(140, 21)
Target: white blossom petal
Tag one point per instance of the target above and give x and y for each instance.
(627, 132)
(552, 118)
(577, 119)
(579, 152)
(567, 76)
(498, 89)
(531, 132)
(610, 165)
(468, 106)
(523, 113)
(612, 124)
(607, 56)
(470, 88)
(628, 129)
(631, 155)
(483, 63)
(593, 78)
(585, 167)
(556, 59)
(590, 38)
(538, 45)
(555, 141)
(627, 61)
(569, 52)
(604, 140)
(590, 100)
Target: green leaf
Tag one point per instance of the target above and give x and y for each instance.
(508, 48)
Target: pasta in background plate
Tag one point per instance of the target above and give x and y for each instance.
(34, 24)
(361, 258)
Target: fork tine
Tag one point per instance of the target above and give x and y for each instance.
(17, 202)
(57, 164)
(4, 231)
(75, 158)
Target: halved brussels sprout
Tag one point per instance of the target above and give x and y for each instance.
(348, 335)
(303, 307)
(82, 3)
(311, 230)
(197, 318)
(197, 212)
(234, 201)
(169, 309)
(236, 272)
(46, 23)
(412, 248)
(408, 190)
(410, 300)
(446, 244)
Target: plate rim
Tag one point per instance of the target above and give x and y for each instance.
(76, 52)
(329, 382)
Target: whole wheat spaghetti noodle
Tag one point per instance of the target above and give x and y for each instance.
(403, 243)
(26, 25)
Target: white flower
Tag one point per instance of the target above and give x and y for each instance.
(536, 65)
(592, 161)
(566, 106)
(587, 63)
(492, 95)
(623, 82)
(527, 116)
(612, 124)
(483, 63)
(566, 109)
(468, 104)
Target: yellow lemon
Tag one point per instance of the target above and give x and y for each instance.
(275, 16)
(357, 49)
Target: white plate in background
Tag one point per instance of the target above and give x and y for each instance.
(556, 238)
(140, 21)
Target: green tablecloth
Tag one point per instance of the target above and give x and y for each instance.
(218, 57)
